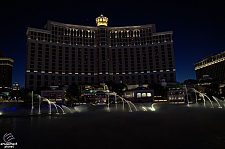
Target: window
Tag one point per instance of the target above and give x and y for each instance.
(138, 95)
(143, 94)
(149, 94)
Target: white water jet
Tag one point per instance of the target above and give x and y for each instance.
(144, 109)
(126, 102)
(203, 97)
(77, 109)
(61, 109)
(57, 111)
(196, 99)
(133, 105)
(49, 102)
(32, 103)
(152, 107)
(67, 108)
(219, 106)
(209, 100)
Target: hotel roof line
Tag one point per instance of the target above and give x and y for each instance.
(73, 25)
(39, 30)
(6, 58)
(49, 32)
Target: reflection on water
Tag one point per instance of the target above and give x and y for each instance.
(174, 126)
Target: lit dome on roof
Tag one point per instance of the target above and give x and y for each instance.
(102, 21)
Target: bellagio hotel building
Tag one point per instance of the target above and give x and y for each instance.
(66, 53)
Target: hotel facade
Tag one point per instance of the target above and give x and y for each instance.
(66, 53)
(212, 66)
(6, 67)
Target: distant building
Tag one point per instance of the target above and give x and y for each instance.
(54, 95)
(67, 53)
(6, 65)
(176, 95)
(98, 96)
(16, 86)
(212, 66)
(139, 94)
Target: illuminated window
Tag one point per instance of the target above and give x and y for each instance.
(143, 94)
(138, 95)
(149, 94)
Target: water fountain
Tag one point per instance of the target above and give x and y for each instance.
(57, 107)
(151, 107)
(121, 104)
(205, 96)
(66, 108)
(217, 101)
(129, 103)
(57, 111)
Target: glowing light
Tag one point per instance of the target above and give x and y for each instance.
(102, 21)
(13, 108)
(144, 109)
(4, 109)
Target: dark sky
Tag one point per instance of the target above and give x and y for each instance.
(198, 26)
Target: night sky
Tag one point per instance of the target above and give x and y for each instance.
(198, 27)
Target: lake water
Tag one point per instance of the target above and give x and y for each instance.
(170, 126)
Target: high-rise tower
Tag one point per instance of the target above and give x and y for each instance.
(6, 65)
(65, 53)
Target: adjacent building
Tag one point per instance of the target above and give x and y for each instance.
(211, 66)
(54, 95)
(16, 86)
(177, 95)
(65, 53)
(6, 66)
(139, 94)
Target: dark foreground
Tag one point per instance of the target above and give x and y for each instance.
(168, 127)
